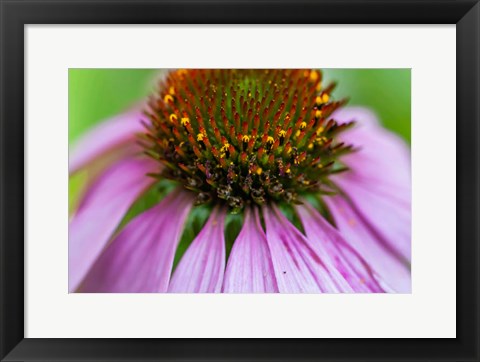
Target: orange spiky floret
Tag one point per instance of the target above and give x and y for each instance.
(245, 136)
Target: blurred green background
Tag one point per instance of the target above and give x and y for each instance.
(96, 94)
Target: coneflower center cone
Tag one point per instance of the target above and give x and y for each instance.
(243, 137)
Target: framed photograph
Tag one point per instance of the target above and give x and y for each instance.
(240, 180)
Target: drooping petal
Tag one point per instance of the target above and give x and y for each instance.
(101, 210)
(383, 156)
(249, 268)
(201, 268)
(298, 267)
(119, 132)
(346, 260)
(379, 179)
(389, 217)
(140, 258)
(390, 266)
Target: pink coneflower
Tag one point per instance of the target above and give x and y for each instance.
(322, 192)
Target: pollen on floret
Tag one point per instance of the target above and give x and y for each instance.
(168, 98)
(225, 147)
(314, 76)
(240, 137)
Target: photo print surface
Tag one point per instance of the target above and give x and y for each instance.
(239, 181)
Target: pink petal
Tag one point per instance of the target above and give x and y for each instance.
(298, 267)
(140, 258)
(249, 268)
(347, 261)
(379, 182)
(390, 266)
(101, 210)
(202, 266)
(389, 217)
(117, 133)
(383, 156)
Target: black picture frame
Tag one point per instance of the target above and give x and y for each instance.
(15, 14)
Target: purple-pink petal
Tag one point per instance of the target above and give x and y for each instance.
(201, 268)
(380, 149)
(140, 258)
(249, 268)
(298, 267)
(101, 210)
(389, 217)
(118, 133)
(393, 269)
(379, 180)
(323, 236)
